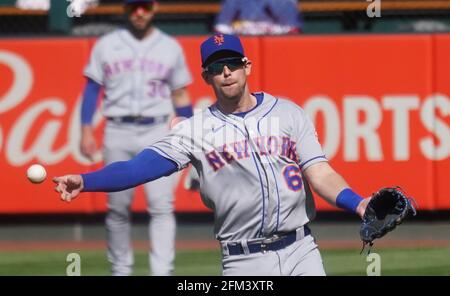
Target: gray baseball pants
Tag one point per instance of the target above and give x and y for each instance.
(121, 142)
(301, 258)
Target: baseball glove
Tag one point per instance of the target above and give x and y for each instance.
(386, 209)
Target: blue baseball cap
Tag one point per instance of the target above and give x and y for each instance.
(230, 45)
(137, 1)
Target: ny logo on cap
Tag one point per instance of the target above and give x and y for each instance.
(219, 39)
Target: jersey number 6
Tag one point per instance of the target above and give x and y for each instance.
(292, 176)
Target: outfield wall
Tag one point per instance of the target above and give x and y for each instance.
(380, 102)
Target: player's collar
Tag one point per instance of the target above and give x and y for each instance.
(260, 110)
(148, 41)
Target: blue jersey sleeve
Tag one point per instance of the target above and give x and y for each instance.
(89, 103)
(144, 167)
(185, 111)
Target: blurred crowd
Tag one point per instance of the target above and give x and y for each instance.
(249, 17)
(259, 17)
(79, 6)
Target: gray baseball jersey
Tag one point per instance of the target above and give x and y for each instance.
(138, 75)
(250, 167)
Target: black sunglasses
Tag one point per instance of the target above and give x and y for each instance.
(233, 64)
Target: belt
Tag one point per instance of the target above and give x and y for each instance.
(139, 119)
(276, 242)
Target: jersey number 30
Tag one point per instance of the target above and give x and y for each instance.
(292, 176)
(157, 89)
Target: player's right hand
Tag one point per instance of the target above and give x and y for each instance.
(69, 186)
(88, 145)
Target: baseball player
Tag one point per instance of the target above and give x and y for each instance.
(252, 152)
(144, 76)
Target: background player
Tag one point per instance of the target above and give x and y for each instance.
(251, 151)
(144, 75)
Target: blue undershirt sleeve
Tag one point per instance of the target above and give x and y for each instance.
(144, 167)
(185, 111)
(89, 103)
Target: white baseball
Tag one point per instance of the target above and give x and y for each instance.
(36, 173)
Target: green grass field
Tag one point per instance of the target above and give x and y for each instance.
(423, 261)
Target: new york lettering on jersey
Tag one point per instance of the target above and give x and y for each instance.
(266, 145)
(138, 76)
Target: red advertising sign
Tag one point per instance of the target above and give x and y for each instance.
(380, 103)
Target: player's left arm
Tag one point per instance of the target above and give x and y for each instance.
(332, 187)
(182, 102)
(321, 176)
(178, 81)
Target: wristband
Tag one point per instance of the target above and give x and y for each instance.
(348, 200)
